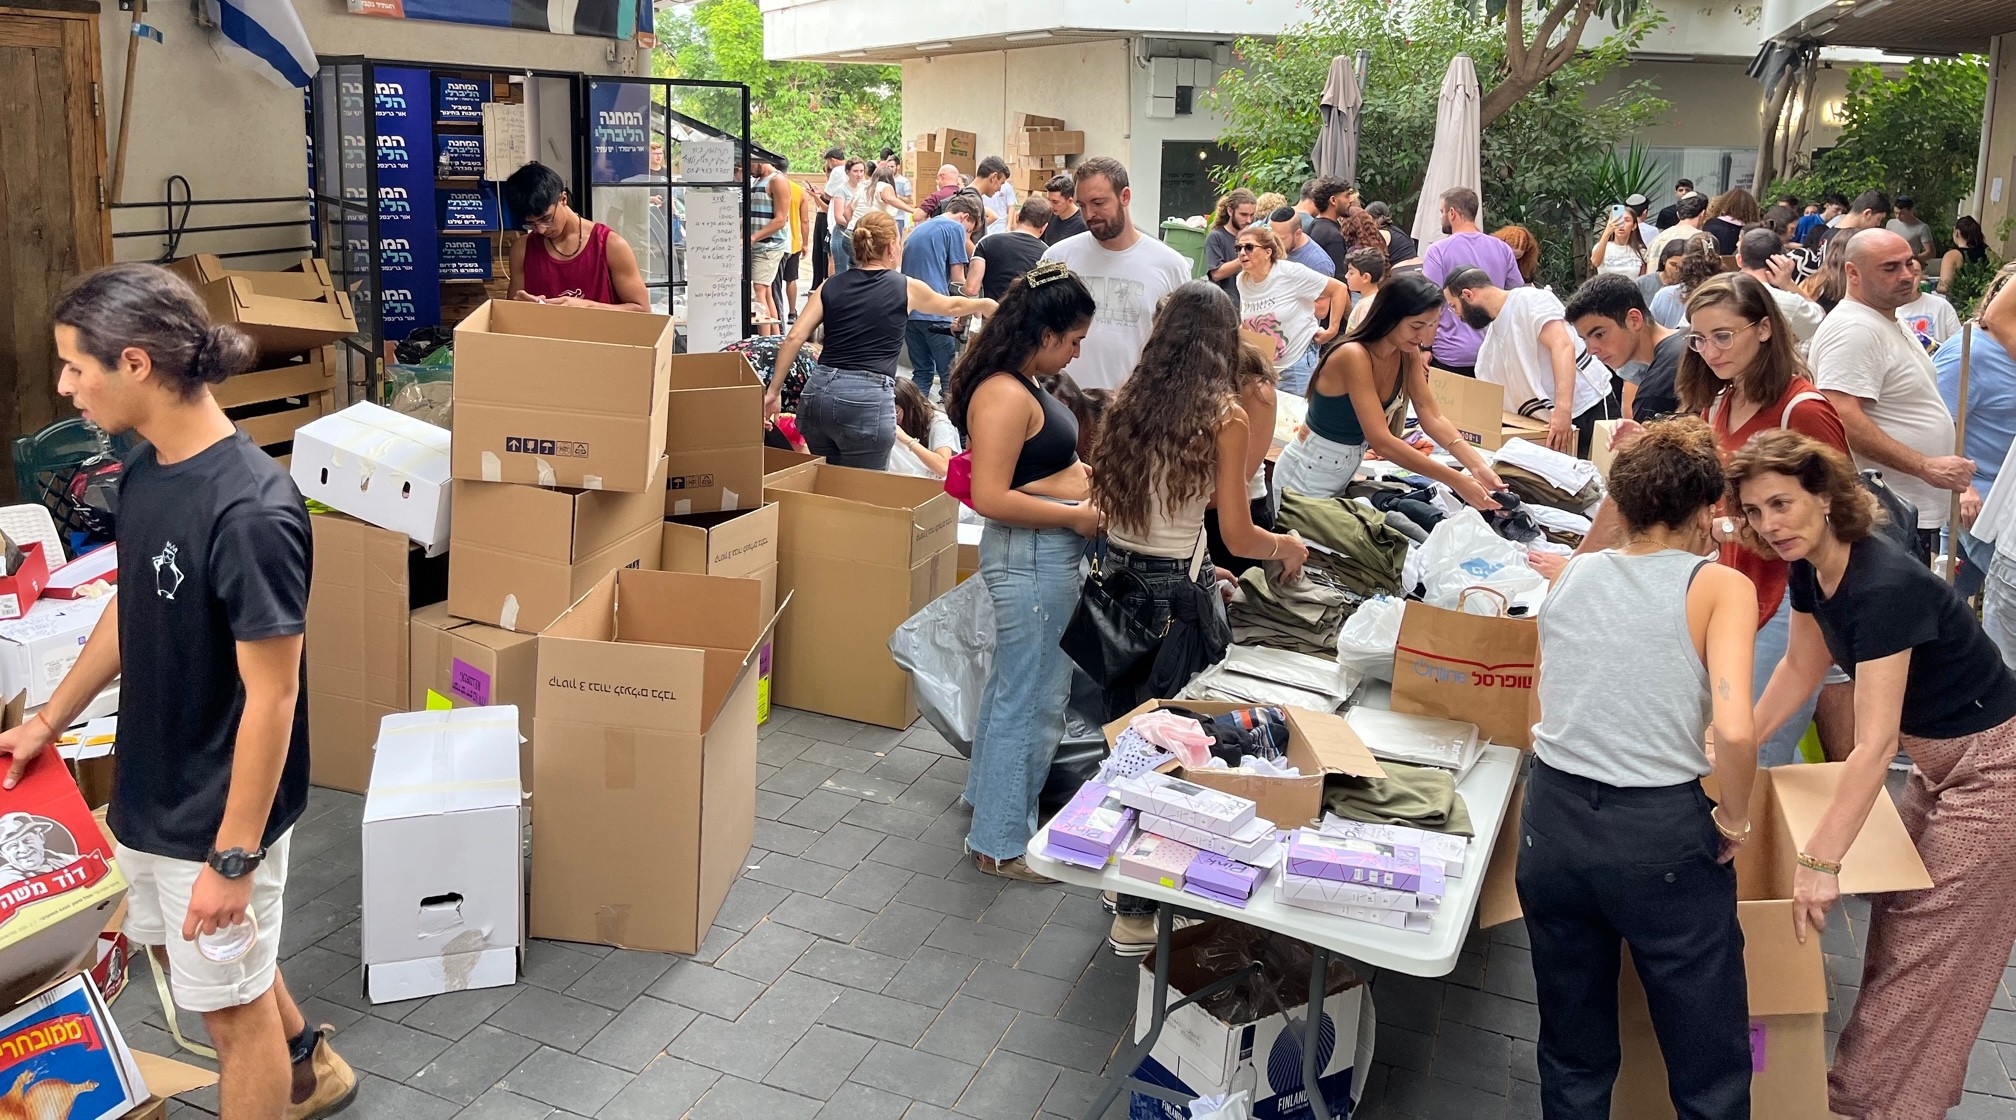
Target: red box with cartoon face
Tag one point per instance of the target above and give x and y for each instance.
(58, 880)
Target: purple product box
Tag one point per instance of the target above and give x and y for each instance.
(1223, 877)
(1331, 897)
(1390, 866)
(1157, 859)
(1094, 822)
(1254, 842)
(1237, 902)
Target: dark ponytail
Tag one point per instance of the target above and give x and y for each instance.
(149, 308)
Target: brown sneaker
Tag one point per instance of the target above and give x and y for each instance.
(1016, 869)
(334, 1085)
(1132, 935)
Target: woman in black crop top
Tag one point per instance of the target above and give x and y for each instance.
(1033, 491)
(847, 411)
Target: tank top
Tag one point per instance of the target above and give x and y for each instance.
(1335, 419)
(1055, 444)
(585, 274)
(762, 208)
(865, 313)
(1614, 622)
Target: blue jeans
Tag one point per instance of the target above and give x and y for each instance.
(931, 351)
(1782, 748)
(843, 250)
(849, 416)
(1295, 379)
(1033, 577)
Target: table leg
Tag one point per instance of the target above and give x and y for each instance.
(1319, 981)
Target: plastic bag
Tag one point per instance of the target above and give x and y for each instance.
(1365, 645)
(1464, 553)
(1231, 1106)
(948, 650)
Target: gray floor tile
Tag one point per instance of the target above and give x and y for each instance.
(911, 855)
(969, 1027)
(1061, 951)
(844, 758)
(732, 1098)
(746, 1049)
(929, 796)
(500, 1105)
(747, 902)
(865, 787)
(849, 966)
(980, 940)
(1981, 1106)
(822, 917)
(703, 988)
(804, 876)
(553, 966)
(772, 806)
(798, 778)
(904, 765)
(932, 976)
(870, 885)
(566, 1081)
(1103, 999)
(639, 1033)
(309, 971)
(388, 1049)
(1024, 907)
(780, 748)
(820, 810)
(859, 1102)
(843, 846)
(454, 1014)
(1061, 1044)
(921, 1077)
(766, 952)
(466, 1071)
(1024, 991)
(1492, 1013)
(1008, 1087)
(899, 930)
(1509, 972)
(889, 819)
(782, 838)
(559, 1021)
(878, 1016)
(1405, 1049)
(952, 770)
(667, 1088)
(1985, 1073)
(617, 978)
(958, 900)
(818, 1064)
(1472, 1057)
(378, 1097)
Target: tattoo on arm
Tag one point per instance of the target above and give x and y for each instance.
(1722, 688)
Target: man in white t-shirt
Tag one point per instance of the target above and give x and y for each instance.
(1530, 349)
(823, 225)
(1929, 318)
(1127, 273)
(1883, 385)
(1909, 226)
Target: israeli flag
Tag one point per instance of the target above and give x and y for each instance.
(266, 35)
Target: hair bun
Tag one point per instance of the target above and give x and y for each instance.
(222, 351)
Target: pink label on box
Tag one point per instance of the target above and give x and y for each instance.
(468, 682)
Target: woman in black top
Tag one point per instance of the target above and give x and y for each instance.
(847, 411)
(1030, 486)
(1401, 248)
(1928, 678)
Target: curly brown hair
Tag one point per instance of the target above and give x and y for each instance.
(1361, 231)
(1700, 262)
(1525, 249)
(1667, 475)
(1852, 512)
(1158, 444)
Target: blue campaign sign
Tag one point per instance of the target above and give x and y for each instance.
(619, 130)
(410, 295)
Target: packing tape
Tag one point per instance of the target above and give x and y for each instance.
(619, 759)
(729, 500)
(682, 507)
(612, 922)
(507, 615)
(493, 467)
(545, 469)
(591, 482)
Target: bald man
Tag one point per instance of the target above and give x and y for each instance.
(948, 183)
(1883, 385)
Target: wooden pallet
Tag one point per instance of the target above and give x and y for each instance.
(271, 404)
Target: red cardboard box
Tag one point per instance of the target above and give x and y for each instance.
(19, 591)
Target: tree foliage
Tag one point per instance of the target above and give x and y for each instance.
(796, 109)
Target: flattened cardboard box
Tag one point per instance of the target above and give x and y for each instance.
(740, 543)
(560, 396)
(646, 759)
(713, 435)
(474, 666)
(520, 555)
(1320, 744)
(278, 325)
(367, 582)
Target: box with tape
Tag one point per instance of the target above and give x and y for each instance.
(379, 466)
(713, 435)
(464, 664)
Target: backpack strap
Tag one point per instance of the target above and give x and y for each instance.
(1785, 419)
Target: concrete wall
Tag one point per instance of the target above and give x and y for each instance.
(1717, 105)
(233, 134)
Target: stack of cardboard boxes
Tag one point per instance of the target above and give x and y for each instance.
(1040, 148)
(932, 150)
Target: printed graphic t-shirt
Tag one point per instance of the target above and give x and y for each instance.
(1283, 307)
(213, 551)
(1125, 285)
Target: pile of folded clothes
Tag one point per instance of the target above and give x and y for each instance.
(1303, 616)
(1353, 555)
(1422, 797)
(1543, 476)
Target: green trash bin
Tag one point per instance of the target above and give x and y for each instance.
(1187, 240)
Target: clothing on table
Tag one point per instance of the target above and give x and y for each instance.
(1008, 255)
(1221, 247)
(849, 416)
(1061, 229)
(1283, 308)
(1657, 395)
(864, 314)
(1602, 867)
(1865, 353)
(761, 350)
(1622, 260)
(585, 275)
(222, 540)
(1262, 512)
(1930, 319)
(940, 434)
(1421, 797)
(1126, 284)
(1457, 342)
(1354, 547)
(1991, 412)
(1304, 616)
(1531, 487)
(1513, 357)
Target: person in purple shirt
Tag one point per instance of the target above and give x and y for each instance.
(1465, 246)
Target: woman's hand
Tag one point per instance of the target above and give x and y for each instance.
(1085, 520)
(1489, 479)
(1729, 846)
(1548, 564)
(1293, 555)
(1626, 431)
(1813, 894)
(1474, 493)
(773, 405)
(1325, 335)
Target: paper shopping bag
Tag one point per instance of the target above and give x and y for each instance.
(1476, 668)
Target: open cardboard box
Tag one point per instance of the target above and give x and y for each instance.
(309, 279)
(1319, 744)
(279, 325)
(713, 435)
(741, 543)
(788, 470)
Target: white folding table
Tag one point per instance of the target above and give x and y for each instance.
(1486, 790)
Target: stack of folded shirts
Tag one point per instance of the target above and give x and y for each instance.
(1198, 840)
(1365, 880)
(1091, 829)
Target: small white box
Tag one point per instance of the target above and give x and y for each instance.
(443, 880)
(1345, 900)
(38, 648)
(379, 466)
(1254, 843)
(1159, 795)
(1162, 77)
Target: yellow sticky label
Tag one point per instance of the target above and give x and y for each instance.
(437, 702)
(763, 699)
(1168, 882)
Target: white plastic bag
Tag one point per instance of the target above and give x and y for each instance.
(1231, 1106)
(1462, 552)
(948, 650)
(1365, 644)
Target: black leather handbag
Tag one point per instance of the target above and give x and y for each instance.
(1900, 515)
(1105, 638)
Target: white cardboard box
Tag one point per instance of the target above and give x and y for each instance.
(38, 648)
(379, 466)
(443, 881)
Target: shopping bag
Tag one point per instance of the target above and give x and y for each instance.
(1462, 552)
(1365, 644)
(1471, 667)
(948, 650)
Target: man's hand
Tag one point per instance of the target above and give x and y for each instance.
(24, 743)
(1625, 431)
(216, 903)
(1949, 472)
(1970, 507)
(1782, 271)
(1561, 433)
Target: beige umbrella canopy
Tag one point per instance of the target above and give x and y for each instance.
(1336, 151)
(1454, 161)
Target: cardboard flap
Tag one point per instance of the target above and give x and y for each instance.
(1498, 898)
(712, 371)
(1474, 406)
(1785, 977)
(589, 326)
(166, 1077)
(426, 763)
(681, 609)
(1882, 857)
(1335, 744)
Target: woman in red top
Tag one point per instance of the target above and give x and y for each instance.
(564, 258)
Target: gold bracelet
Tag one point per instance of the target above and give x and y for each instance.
(1276, 554)
(1820, 865)
(1728, 834)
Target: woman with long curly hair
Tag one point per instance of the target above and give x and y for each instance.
(1234, 212)
(1729, 213)
(1525, 249)
(1031, 487)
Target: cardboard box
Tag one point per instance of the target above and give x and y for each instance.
(367, 582)
(1048, 142)
(100, 565)
(378, 466)
(958, 142)
(309, 280)
(740, 544)
(1515, 426)
(1022, 121)
(921, 164)
(1319, 744)
(1030, 180)
(713, 435)
(19, 591)
(861, 551)
(475, 666)
(61, 1056)
(788, 470)
(443, 888)
(524, 554)
(645, 759)
(37, 649)
(1477, 408)
(561, 396)
(59, 882)
(279, 325)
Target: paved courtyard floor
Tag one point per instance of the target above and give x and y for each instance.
(862, 970)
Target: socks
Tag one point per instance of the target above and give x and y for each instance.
(299, 1049)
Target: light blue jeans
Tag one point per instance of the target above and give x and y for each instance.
(1782, 748)
(1033, 577)
(1316, 467)
(842, 243)
(1998, 605)
(1295, 379)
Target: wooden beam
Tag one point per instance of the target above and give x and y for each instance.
(75, 9)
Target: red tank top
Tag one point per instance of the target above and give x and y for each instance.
(586, 274)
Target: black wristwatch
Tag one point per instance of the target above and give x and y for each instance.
(235, 863)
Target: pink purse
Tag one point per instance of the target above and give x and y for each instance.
(959, 478)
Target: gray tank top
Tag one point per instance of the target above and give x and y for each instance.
(1623, 696)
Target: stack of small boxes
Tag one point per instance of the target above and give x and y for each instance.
(1040, 148)
(1388, 875)
(1201, 841)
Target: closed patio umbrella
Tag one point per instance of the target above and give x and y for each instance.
(1336, 151)
(1454, 161)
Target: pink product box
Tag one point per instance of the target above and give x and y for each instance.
(1450, 850)
(1255, 842)
(1186, 802)
(1323, 895)
(1157, 859)
(1373, 864)
(1094, 822)
(1223, 877)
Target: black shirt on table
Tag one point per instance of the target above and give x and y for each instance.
(213, 551)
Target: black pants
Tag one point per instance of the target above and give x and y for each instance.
(1602, 867)
(822, 249)
(1928, 545)
(1221, 554)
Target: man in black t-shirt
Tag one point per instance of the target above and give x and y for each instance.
(206, 638)
(1001, 257)
(1066, 220)
(1609, 312)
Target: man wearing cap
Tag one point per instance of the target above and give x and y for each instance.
(1639, 205)
(24, 853)
(1292, 226)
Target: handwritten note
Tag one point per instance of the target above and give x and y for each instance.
(506, 143)
(714, 268)
(707, 161)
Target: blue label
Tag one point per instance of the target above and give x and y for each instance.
(66, 1049)
(619, 130)
(465, 258)
(410, 296)
(472, 210)
(456, 156)
(460, 99)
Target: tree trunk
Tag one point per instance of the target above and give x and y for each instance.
(1529, 64)
(1773, 126)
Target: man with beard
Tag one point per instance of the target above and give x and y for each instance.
(1127, 274)
(1530, 349)
(1465, 246)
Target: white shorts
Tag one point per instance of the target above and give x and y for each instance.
(157, 901)
(763, 264)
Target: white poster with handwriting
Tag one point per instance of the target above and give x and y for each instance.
(707, 161)
(715, 263)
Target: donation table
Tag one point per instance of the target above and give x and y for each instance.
(1486, 790)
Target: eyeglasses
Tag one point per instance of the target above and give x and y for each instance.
(544, 221)
(1699, 342)
(1245, 249)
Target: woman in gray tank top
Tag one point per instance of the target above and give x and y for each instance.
(1642, 648)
